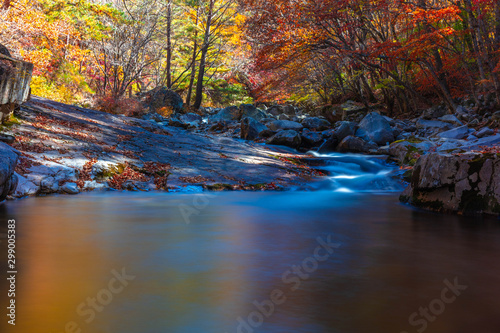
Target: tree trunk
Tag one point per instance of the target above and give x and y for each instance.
(169, 44)
(204, 51)
(193, 62)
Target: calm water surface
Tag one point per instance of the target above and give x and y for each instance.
(197, 263)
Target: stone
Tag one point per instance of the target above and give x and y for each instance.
(276, 110)
(288, 138)
(191, 119)
(159, 98)
(496, 116)
(284, 125)
(8, 162)
(354, 144)
(376, 128)
(70, 188)
(455, 133)
(316, 124)
(452, 119)
(346, 128)
(465, 183)
(251, 128)
(9, 139)
(227, 114)
(485, 131)
(311, 139)
(24, 188)
(249, 110)
(433, 125)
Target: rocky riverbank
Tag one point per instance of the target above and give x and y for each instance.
(67, 149)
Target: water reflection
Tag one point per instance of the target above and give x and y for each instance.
(203, 276)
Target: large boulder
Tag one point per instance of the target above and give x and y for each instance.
(376, 128)
(8, 162)
(285, 138)
(345, 129)
(288, 110)
(160, 98)
(191, 119)
(284, 125)
(353, 144)
(311, 139)
(316, 124)
(467, 183)
(455, 133)
(251, 128)
(249, 110)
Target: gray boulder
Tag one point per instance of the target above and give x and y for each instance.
(227, 114)
(449, 118)
(284, 125)
(376, 128)
(249, 110)
(346, 128)
(485, 131)
(316, 124)
(276, 110)
(353, 144)
(288, 138)
(251, 128)
(455, 133)
(70, 188)
(161, 97)
(311, 139)
(191, 119)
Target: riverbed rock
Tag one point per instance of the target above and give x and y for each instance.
(354, 144)
(24, 188)
(376, 128)
(8, 162)
(251, 128)
(311, 139)
(485, 131)
(288, 110)
(288, 138)
(284, 125)
(466, 183)
(70, 188)
(452, 119)
(346, 128)
(316, 124)
(191, 119)
(455, 133)
(249, 110)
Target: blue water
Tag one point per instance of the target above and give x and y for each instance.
(251, 262)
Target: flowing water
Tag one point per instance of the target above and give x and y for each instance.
(346, 257)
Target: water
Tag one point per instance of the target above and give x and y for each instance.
(201, 263)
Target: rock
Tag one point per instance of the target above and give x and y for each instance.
(467, 183)
(434, 112)
(276, 110)
(329, 145)
(449, 145)
(346, 128)
(8, 162)
(462, 110)
(449, 118)
(456, 133)
(267, 133)
(24, 188)
(49, 185)
(176, 122)
(288, 138)
(191, 119)
(283, 117)
(474, 122)
(9, 139)
(229, 113)
(251, 128)
(249, 110)
(376, 128)
(70, 188)
(161, 97)
(485, 131)
(428, 128)
(284, 125)
(352, 111)
(316, 124)
(311, 139)
(353, 144)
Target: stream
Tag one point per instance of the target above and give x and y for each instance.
(341, 255)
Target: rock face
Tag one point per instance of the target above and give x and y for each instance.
(251, 128)
(8, 162)
(467, 183)
(286, 138)
(161, 97)
(376, 128)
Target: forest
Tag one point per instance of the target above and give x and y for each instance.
(405, 55)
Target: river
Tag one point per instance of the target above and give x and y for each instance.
(344, 257)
